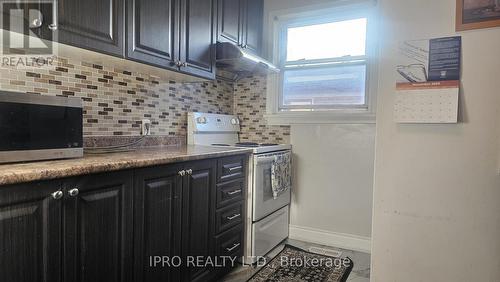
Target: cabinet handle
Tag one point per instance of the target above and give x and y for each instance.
(57, 195)
(53, 25)
(36, 23)
(231, 169)
(234, 192)
(184, 64)
(189, 172)
(182, 173)
(233, 247)
(74, 192)
(234, 216)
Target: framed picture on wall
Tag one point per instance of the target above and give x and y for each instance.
(476, 14)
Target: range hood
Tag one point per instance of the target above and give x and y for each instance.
(234, 62)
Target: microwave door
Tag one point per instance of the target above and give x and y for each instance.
(263, 201)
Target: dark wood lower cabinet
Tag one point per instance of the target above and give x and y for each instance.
(98, 226)
(198, 222)
(119, 226)
(30, 233)
(157, 235)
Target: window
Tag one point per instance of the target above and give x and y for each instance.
(328, 72)
(324, 66)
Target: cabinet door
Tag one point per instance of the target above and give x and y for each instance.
(198, 37)
(92, 24)
(30, 233)
(198, 222)
(152, 31)
(98, 228)
(254, 17)
(230, 21)
(157, 228)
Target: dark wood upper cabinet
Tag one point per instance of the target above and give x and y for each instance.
(198, 221)
(157, 215)
(98, 228)
(240, 22)
(230, 21)
(92, 24)
(198, 35)
(152, 32)
(178, 35)
(30, 233)
(253, 25)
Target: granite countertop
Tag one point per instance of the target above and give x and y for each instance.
(45, 170)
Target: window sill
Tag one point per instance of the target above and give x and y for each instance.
(320, 118)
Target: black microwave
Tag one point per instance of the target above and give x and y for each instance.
(37, 127)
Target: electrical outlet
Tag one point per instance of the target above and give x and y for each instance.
(146, 127)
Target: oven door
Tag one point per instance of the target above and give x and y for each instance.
(264, 203)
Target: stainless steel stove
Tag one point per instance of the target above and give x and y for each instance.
(267, 217)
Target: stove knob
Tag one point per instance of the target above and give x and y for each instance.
(202, 120)
(235, 121)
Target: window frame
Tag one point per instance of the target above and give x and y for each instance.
(280, 22)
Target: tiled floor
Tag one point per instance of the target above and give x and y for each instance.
(360, 272)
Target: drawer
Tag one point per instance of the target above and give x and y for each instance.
(230, 192)
(231, 168)
(229, 217)
(268, 232)
(230, 243)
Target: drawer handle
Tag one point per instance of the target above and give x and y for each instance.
(231, 169)
(234, 192)
(233, 247)
(234, 216)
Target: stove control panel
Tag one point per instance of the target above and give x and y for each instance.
(204, 122)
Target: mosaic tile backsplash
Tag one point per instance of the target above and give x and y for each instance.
(250, 106)
(116, 100)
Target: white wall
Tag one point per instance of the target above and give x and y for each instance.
(332, 198)
(437, 188)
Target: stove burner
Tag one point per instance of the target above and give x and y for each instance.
(247, 144)
(268, 144)
(223, 145)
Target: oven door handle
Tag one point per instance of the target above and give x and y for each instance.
(265, 159)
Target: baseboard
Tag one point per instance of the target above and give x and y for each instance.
(333, 239)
